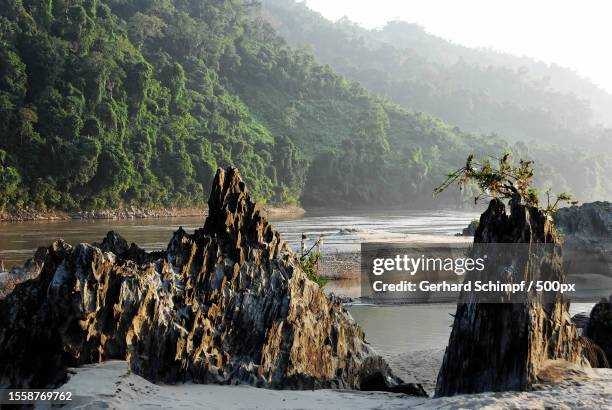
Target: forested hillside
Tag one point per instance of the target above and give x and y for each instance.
(479, 90)
(105, 103)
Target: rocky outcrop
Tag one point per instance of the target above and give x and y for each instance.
(593, 353)
(502, 346)
(599, 326)
(591, 220)
(469, 230)
(16, 275)
(587, 238)
(581, 321)
(227, 304)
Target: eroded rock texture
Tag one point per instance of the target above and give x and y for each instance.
(227, 304)
(587, 238)
(591, 220)
(599, 327)
(502, 346)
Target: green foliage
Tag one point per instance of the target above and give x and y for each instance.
(553, 206)
(109, 103)
(504, 181)
(9, 181)
(479, 90)
(482, 91)
(106, 103)
(308, 264)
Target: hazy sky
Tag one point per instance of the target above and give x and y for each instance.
(575, 34)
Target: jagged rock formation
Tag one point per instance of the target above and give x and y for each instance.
(599, 327)
(581, 321)
(502, 346)
(587, 238)
(592, 220)
(10, 279)
(592, 351)
(228, 304)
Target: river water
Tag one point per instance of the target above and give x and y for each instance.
(18, 241)
(391, 329)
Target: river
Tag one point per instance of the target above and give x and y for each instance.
(18, 241)
(391, 329)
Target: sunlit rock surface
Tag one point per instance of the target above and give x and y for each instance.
(500, 347)
(228, 304)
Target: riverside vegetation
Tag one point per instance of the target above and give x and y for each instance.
(547, 112)
(107, 103)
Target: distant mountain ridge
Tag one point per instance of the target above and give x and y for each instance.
(557, 77)
(114, 103)
(478, 89)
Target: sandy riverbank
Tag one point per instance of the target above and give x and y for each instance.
(283, 211)
(29, 214)
(347, 265)
(111, 385)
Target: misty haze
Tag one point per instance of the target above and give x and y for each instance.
(187, 189)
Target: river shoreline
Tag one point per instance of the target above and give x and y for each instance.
(418, 360)
(39, 215)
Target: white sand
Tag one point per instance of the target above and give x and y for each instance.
(417, 239)
(110, 385)
(574, 393)
(418, 367)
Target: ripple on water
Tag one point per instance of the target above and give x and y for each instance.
(19, 240)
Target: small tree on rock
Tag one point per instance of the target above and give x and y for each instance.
(504, 181)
